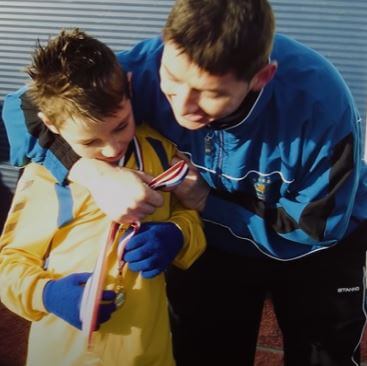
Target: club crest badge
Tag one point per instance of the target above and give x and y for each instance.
(262, 187)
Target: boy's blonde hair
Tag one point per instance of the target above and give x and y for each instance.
(75, 75)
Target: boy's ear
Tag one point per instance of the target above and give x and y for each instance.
(263, 76)
(48, 123)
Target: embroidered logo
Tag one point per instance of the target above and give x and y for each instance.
(262, 185)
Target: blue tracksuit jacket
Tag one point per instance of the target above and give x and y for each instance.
(286, 181)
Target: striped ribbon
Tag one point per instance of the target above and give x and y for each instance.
(93, 290)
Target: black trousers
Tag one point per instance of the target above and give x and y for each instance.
(319, 301)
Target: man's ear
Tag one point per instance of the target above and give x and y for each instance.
(48, 123)
(263, 76)
(129, 78)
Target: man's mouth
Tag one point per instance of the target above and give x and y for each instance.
(198, 118)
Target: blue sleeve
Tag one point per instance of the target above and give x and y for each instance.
(314, 212)
(142, 62)
(30, 139)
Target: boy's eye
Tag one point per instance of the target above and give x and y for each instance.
(89, 143)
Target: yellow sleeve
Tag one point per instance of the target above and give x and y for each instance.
(27, 235)
(192, 229)
(187, 220)
(191, 226)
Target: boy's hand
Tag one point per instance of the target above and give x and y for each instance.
(62, 297)
(153, 248)
(122, 194)
(193, 191)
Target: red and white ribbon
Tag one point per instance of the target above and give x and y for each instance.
(93, 290)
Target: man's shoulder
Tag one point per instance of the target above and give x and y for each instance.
(145, 52)
(17, 93)
(303, 64)
(12, 102)
(304, 72)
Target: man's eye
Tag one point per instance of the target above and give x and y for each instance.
(170, 78)
(120, 128)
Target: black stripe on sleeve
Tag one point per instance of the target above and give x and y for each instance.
(275, 218)
(314, 216)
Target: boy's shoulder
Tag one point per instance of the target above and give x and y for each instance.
(37, 172)
(36, 185)
(146, 133)
(36, 178)
(154, 148)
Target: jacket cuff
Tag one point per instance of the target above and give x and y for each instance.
(192, 247)
(37, 300)
(212, 205)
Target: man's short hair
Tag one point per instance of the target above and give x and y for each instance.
(222, 36)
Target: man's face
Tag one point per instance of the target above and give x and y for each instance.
(106, 140)
(198, 98)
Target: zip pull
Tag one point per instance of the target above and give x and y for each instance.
(208, 143)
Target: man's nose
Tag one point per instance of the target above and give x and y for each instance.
(187, 101)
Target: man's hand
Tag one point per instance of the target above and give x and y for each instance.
(123, 194)
(193, 191)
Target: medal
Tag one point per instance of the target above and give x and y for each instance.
(120, 291)
(120, 297)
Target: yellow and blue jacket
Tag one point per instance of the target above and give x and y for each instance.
(63, 225)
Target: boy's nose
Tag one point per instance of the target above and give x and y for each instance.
(111, 150)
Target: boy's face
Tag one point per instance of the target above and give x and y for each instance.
(106, 140)
(198, 98)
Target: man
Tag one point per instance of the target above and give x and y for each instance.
(274, 140)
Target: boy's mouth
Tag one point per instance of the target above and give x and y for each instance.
(113, 159)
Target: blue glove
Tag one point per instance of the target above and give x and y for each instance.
(63, 297)
(153, 248)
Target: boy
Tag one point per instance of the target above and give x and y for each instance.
(83, 96)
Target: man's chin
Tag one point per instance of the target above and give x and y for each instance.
(190, 125)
